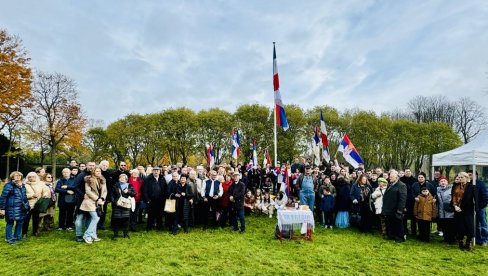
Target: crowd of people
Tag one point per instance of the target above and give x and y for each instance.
(179, 197)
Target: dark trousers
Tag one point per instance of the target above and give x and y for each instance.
(209, 209)
(238, 213)
(413, 225)
(66, 213)
(120, 224)
(35, 222)
(134, 216)
(155, 215)
(224, 216)
(394, 228)
(448, 227)
(101, 222)
(424, 230)
(328, 218)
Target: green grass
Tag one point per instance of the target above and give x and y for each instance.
(222, 251)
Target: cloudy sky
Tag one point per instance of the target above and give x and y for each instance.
(145, 56)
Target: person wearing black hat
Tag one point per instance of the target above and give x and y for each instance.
(154, 194)
(236, 197)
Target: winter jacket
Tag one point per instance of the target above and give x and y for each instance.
(394, 199)
(425, 208)
(39, 189)
(416, 188)
(482, 194)
(377, 197)
(238, 191)
(153, 189)
(444, 199)
(12, 200)
(70, 182)
(95, 188)
(327, 203)
(117, 192)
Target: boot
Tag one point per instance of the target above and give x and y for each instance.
(468, 245)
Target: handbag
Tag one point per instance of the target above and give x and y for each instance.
(42, 205)
(99, 211)
(170, 206)
(123, 202)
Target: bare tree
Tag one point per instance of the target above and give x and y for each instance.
(470, 119)
(432, 109)
(57, 112)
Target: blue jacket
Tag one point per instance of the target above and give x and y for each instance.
(327, 203)
(12, 200)
(63, 192)
(482, 194)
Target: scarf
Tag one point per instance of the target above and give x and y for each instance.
(124, 185)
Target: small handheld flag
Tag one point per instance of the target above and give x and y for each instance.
(210, 156)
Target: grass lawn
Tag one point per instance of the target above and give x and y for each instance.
(222, 251)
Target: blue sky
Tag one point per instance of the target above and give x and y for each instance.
(145, 56)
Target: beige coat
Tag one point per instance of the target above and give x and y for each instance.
(36, 188)
(92, 185)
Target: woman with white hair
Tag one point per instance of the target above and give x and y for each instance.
(65, 187)
(35, 190)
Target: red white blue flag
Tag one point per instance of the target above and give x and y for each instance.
(210, 156)
(236, 144)
(350, 152)
(267, 158)
(280, 109)
(325, 140)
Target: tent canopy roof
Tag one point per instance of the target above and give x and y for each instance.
(472, 153)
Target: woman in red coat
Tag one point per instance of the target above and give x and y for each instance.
(136, 215)
(224, 201)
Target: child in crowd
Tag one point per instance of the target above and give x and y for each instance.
(281, 201)
(258, 197)
(249, 202)
(327, 208)
(377, 197)
(267, 205)
(424, 211)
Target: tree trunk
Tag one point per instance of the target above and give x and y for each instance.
(7, 165)
(53, 162)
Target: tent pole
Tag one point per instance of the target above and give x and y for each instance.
(432, 173)
(474, 183)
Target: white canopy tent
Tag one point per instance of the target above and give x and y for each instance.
(473, 153)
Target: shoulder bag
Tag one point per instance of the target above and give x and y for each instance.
(123, 202)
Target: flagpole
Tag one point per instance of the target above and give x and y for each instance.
(274, 129)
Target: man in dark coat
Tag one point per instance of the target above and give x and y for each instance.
(394, 201)
(409, 180)
(481, 224)
(154, 194)
(237, 192)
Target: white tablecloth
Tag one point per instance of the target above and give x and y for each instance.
(295, 217)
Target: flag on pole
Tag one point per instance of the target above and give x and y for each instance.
(280, 109)
(349, 152)
(316, 146)
(267, 158)
(210, 156)
(254, 154)
(236, 143)
(287, 181)
(325, 140)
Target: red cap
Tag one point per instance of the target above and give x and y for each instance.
(443, 177)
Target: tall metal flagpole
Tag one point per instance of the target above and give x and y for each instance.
(275, 133)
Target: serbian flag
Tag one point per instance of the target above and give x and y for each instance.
(280, 110)
(349, 152)
(236, 143)
(325, 140)
(254, 154)
(210, 156)
(267, 158)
